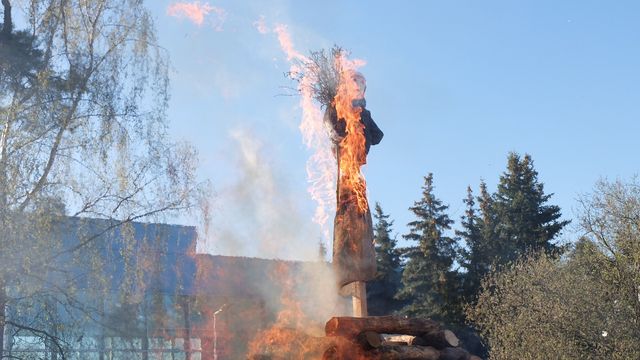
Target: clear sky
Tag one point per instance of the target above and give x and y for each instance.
(454, 85)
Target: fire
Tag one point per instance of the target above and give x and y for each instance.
(321, 167)
(291, 315)
(284, 38)
(287, 334)
(352, 147)
(294, 333)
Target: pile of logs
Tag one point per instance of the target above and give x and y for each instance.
(368, 338)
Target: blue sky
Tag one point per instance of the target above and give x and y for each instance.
(455, 86)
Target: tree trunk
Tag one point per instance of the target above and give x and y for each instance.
(7, 27)
(3, 314)
(101, 337)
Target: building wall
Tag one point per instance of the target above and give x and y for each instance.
(156, 293)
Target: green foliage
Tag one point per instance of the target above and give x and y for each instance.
(381, 292)
(524, 221)
(513, 221)
(475, 252)
(429, 285)
(584, 306)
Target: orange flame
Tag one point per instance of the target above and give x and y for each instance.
(352, 147)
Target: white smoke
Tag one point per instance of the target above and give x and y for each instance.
(259, 215)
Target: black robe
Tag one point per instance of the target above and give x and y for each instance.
(372, 133)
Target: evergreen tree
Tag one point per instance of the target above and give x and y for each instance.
(487, 222)
(429, 286)
(474, 250)
(524, 221)
(511, 222)
(381, 291)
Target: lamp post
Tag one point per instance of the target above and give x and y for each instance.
(215, 333)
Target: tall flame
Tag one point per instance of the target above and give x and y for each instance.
(321, 167)
(352, 153)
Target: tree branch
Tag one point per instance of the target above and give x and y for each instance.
(54, 339)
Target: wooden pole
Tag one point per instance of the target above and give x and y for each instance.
(359, 299)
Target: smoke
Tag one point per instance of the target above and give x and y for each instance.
(196, 13)
(261, 25)
(258, 214)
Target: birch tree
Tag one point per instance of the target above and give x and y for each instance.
(83, 133)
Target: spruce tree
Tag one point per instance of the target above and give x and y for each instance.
(488, 220)
(381, 291)
(474, 250)
(511, 222)
(524, 220)
(429, 286)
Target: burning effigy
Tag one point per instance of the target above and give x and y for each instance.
(333, 80)
(352, 131)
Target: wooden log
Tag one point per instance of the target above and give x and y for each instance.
(439, 339)
(454, 354)
(404, 352)
(350, 327)
(395, 343)
(392, 339)
(370, 340)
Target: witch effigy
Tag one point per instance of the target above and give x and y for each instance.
(354, 258)
(331, 79)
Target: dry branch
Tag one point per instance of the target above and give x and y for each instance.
(324, 71)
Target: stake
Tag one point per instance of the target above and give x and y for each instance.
(359, 299)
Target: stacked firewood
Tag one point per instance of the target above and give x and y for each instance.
(394, 337)
(368, 338)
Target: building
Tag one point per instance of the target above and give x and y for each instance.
(139, 291)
